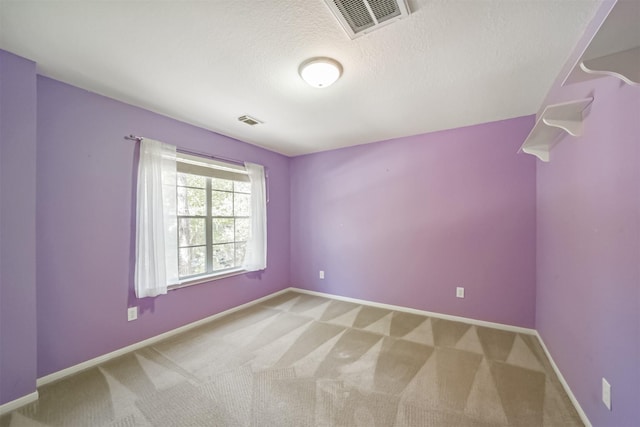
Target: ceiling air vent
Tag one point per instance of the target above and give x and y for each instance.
(251, 121)
(359, 17)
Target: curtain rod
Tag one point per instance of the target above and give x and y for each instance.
(197, 153)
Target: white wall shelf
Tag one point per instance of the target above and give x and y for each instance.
(614, 49)
(554, 121)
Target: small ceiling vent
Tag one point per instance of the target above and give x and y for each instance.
(251, 121)
(360, 17)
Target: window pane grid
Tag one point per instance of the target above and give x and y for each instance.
(190, 186)
(225, 223)
(208, 225)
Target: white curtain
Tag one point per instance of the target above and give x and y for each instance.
(256, 255)
(156, 221)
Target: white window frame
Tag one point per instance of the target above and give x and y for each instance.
(209, 168)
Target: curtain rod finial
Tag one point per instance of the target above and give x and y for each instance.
(132, 137)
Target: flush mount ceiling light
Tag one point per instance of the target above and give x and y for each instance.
(320, 72)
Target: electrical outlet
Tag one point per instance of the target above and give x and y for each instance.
(322, 274)
(459, 292)
(132, 313)
(606, 394)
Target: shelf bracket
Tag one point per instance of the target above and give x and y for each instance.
(572, 127)
(540, 153)
(623, 65)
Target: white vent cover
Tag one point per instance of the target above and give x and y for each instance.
(251, 121)
(359, 17)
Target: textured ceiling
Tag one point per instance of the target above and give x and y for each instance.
(449, 64)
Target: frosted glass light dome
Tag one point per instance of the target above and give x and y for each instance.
(320, 72)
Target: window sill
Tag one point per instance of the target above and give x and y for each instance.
(204, 279)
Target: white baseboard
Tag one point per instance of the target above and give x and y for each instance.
(17, 403)
(494, 325)
(47, 379)
(565, 385)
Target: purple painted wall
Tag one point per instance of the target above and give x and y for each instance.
(406, 221)
(588, 250)
(86, 185)
(17, 227)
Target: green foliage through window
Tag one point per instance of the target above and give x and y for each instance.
(214, 220)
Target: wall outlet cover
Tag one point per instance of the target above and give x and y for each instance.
(459, 292)
(321, 275)
(132, 313)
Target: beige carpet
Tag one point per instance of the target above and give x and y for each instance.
(300, 360)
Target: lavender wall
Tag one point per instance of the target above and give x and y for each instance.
(406, 221)
(588, 252)
(86, 221)
(17, 227)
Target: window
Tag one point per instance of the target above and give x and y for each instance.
(196, 219)
(214, 216)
